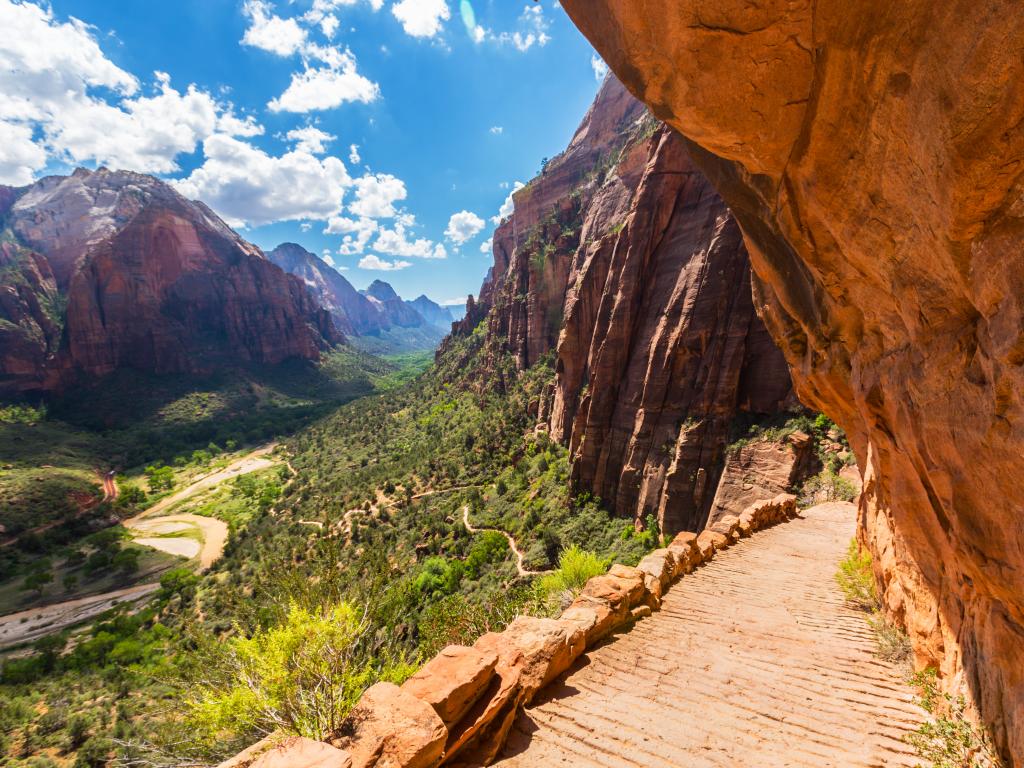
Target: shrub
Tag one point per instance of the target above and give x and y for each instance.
(575, 567)
(303, 676)
(949, 739)
(856, 579)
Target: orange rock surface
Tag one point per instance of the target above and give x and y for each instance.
(873, 155)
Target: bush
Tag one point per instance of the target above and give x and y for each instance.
(949, 739)
(856, 579)
(303, 676)
(575, 567)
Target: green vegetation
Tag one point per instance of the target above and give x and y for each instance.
(344, 574)
(856, 580)
(950, 739)
(304, 676)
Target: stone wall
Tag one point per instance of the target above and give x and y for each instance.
(460, 706)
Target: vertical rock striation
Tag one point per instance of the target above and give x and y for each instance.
(872, 154)
(110, 269)
(622, 262)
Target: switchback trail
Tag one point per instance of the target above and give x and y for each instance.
(753, 660)
(523, 571)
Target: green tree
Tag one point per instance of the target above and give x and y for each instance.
(36, 582)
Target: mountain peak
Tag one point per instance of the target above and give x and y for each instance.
(381, 291)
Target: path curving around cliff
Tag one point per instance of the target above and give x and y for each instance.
(753, 660)
(520, 568)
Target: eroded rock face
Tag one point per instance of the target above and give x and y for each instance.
(623, 260)
(150, 280)
(872, 155)
(30, 309)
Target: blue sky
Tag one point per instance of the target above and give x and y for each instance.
(387, 133)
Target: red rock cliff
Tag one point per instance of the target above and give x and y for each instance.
(872, 153)
(623, 261)
(151, 281)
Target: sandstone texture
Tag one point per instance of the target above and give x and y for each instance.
(623, 263)
(135, 275)
(871, 153)
(761, 469)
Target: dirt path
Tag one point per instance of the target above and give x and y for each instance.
(31, 624)
(214, 532)
(754, 660)
(511, 542)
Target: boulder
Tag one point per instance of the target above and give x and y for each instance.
(394, 729)
(299, 752)
(453, 680)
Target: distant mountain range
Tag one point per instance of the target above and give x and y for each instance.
(376, 319)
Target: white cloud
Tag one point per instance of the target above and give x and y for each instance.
(353, 154)
(329, 25)
(453, 302)
(306, 226)
(51, 76)
(487, 246)
(376, 195)
(497, 130)
(421, 18)
(245, 184)
(463, 226)
(375, 262)
(268, 32)
(532, 29)
(319, 88)
(21, 157)
(599, 67)
(357, 233)
(310, 139)
(396, 242)
(508, 207)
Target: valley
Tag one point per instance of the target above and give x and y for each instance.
(718, 466)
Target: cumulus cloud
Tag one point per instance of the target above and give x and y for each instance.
(376, 195)
(326, 87)
(421, 18)
(487, 246)
(353, 154)
(21, 157)
(372, 261)
(599, 67)
(271, 33)
(61, 96)
(396, 242)
(497, 130)
(357, 233)
(508, 207)
(463, 226)
(246, 185)
(310, 139)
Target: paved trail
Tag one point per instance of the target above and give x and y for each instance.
(754, 660)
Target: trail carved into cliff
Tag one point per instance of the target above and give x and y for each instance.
(755, 659)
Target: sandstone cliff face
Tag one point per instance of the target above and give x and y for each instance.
(623, 261)
(30, 328)
(871, 153)
(150, 280)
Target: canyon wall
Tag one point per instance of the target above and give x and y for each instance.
(874, 158)
(111, 269)
(622, 262)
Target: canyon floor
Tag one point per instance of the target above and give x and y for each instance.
(755, 659)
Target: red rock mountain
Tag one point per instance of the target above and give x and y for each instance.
(872, 153)
(134, 275)
(622, 262)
